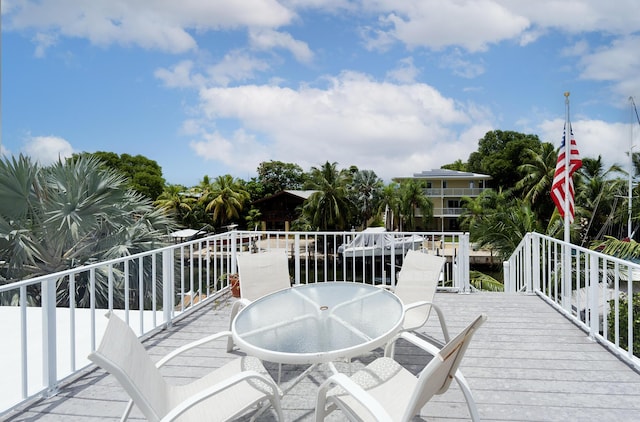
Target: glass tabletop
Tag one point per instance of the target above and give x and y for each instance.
(317, 323)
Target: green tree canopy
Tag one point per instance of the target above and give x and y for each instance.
(329, 208)
(276, 176)
(499, 155)
(69, 214)
(143, 174)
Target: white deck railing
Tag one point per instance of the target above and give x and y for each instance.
(585, 285)
(47, 334)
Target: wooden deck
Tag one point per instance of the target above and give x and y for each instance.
(526, 363)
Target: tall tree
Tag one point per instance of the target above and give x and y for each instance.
(499, 155)
(329, 208)
(143, 174)
(366, 189)
(413, 198)
(225, 199)
(537, 173)
(276, 176)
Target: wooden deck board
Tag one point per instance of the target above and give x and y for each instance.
(526, 363)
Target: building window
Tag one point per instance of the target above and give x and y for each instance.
(481, 184)
(444, 184)
(471, 184)
(428, 185)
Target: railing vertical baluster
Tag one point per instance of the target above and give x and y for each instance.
(141, 294)
(92, 306)
(24, 364)
(594, 289)
(296, 257)
(49, 349)
(72, 321)
(167, 285)
(154, 302)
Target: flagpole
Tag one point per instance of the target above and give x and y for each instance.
(567, 164)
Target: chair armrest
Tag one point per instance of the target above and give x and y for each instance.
(216, 388)
(357, 392)
(191, 345)
(443, 325)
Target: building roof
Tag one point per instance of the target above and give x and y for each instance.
(447, 174)
(302, 194)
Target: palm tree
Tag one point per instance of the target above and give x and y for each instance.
(225, 199)
(597, 196)
(329, 208)
(69, 214)
(175, 200)
(413, 198)
(390, 202)
(366, 189)
(537, 176)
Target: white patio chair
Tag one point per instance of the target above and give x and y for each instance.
(386, 391)
(221, 395)
(416, 287)
(260, 274)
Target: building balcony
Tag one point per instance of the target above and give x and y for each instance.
(453, 192)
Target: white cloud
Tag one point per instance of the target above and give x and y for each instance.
(161, 24)
(180, 76)
(471, 24)
(394, 129)
(405, 72)
(47, 149)
(595, 138)
(462, 67)
(235, 66)
(617, 64)
(267, 39)
(241, 151)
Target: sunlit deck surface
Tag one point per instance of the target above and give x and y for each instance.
(526, 363)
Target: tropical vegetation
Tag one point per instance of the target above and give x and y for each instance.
(69, 214)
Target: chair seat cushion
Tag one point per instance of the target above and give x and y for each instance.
(386, 381)
(229, 400)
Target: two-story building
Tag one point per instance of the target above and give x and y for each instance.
(445, 188)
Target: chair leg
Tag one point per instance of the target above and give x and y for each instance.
(466, 391)
(127, 411)
(235, 308)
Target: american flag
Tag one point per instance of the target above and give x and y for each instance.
(558, 185)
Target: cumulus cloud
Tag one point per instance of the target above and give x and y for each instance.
(595, 138)
(268, 39)
(615, 64)
(241, 151)
(162, 25)
(471, 24)
(405, 72)
(354, 119)
(47, 149)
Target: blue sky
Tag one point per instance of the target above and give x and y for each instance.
(210, 87)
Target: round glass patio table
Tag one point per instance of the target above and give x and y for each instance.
(316, 323)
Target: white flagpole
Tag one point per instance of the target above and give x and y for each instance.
(567, 163)
(566, 250)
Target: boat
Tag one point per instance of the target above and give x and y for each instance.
(377, 241)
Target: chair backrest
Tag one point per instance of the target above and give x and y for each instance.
(418, 281)
(436, 377)
(121, 354)
(262, 273)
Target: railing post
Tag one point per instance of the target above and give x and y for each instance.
(527, 263)
(463, 263)
(594, 312)
(508, 282)
(49, 358)
(296, 254)
(167, 286)
(535, 264)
